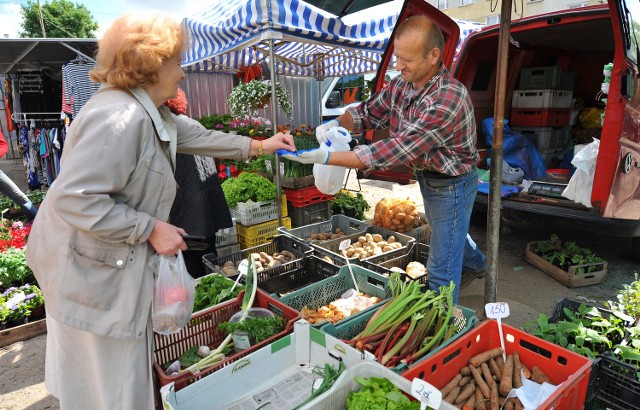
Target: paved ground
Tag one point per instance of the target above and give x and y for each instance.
(527, 290)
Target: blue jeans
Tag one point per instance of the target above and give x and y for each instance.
(448, 204)
(10, 189)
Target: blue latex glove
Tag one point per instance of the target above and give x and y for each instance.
(309, 156)
(321, 130)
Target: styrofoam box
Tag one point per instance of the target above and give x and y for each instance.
(542, 99)
(262, 374)
(336, 397)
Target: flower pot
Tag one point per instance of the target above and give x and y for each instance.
(37, 313)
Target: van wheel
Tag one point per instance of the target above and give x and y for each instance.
(635, 243)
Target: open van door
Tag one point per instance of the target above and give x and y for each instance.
(451, 32)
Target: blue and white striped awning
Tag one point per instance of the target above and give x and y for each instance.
(308, 41)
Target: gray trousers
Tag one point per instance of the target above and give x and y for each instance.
(10, 189)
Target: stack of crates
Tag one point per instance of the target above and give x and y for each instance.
(307, 206)
(257, 222)
(541, 109)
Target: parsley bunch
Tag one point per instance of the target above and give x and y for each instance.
(258, 329)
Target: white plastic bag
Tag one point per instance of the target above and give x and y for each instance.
(581, 183)
(173, 295)
(330, 178)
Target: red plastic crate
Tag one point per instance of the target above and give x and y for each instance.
(560, 364)
(306, 196)
(203, 330)
(539, 117)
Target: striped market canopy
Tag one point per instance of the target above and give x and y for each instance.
(308, 41)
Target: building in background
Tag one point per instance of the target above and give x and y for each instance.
(488, 11)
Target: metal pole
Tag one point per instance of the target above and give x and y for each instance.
(274, 121)
(493, 212)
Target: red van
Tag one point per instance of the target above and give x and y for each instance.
(561, 56)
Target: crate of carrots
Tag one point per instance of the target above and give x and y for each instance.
(471, 372)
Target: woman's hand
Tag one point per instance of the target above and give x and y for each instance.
(166, 239)
(278, 141)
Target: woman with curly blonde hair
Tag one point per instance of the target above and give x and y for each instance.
(107, 214)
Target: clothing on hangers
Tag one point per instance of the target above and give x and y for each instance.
(77, 85)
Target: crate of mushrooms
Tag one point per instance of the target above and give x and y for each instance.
(373, 243)
(282, 255)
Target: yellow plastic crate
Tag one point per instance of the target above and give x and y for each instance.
(254, 235)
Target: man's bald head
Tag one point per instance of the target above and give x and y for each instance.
(430, 31)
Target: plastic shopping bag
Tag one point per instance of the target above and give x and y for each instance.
(329, 178)
(173, 295)
(581, 183)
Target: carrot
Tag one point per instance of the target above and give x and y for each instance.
(499, 361)
(517, 376)
(493, 402)
(538, 376)
(478, 359)
(453, 395)
(486, 373)
(482, 385)
(495, 369)
(471, 401)
(527, 373)
(509, 404)
(449, 386)
(519, 405)
(464, 380)
(465, 393)
(465, 371)
(480, 401)
(507, 375)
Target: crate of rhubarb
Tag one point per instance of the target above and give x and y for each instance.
(338, 297)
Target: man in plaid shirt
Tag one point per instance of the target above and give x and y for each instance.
(432, 129)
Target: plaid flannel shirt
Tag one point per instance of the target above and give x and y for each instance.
(433, 129)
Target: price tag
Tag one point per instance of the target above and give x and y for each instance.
(426, 394)
(344, 245)
(268, 166)
(498, 310)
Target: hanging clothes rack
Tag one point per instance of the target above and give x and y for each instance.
(37, 116)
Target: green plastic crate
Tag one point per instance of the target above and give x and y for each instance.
(464, 319)
(327, 290)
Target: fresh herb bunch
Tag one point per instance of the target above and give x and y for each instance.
(248, 186)
(246, 98)
(346, 203)
(294, 169)
(214, 289)
(258, 329)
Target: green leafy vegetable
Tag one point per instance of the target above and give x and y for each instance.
(259, 329)
(346, 203)
(214, 289)
(248, 186)
(379, 394)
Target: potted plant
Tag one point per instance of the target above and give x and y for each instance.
(246, 98)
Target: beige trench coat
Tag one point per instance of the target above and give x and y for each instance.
(88, 246)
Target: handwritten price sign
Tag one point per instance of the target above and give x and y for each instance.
(426, 394)
(498, 310)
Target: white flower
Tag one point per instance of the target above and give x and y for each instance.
(246, 98)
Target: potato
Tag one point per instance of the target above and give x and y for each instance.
(229, 263)
(377, 237)
(391, 239)
(362, 239)
(314, 236)
(368, 237)
(400, 216)
(338, 230)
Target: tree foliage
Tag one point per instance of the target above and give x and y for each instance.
(62, 19)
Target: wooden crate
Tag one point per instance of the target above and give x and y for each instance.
(568, 278)
(22, 332)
